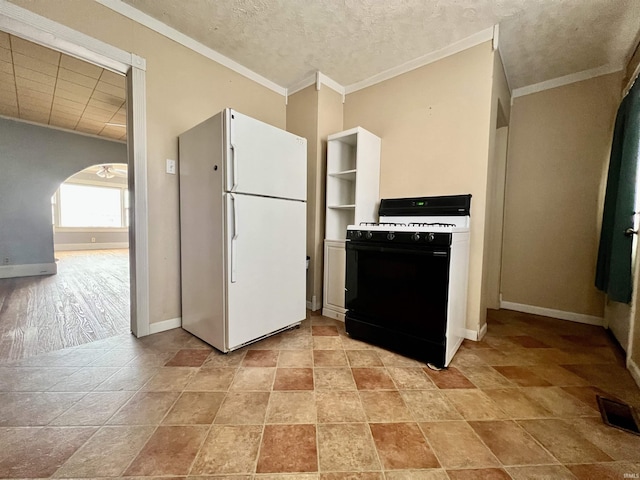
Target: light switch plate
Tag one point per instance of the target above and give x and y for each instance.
(171, 166)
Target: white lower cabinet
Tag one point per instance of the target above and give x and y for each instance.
(334, 275)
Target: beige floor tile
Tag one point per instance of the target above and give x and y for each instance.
(516, 404)
(243, 408)
(253, 379)
(34, 408)
(352, 476)
(328, 378)
(339, 407)
(564, 441)
(457, 445)
(128, 378)
(39, 452)
(295, 358)
(293, 379)
(363, 358)
(511, 444)
(486, 377)
(346, 447)
(384, 406)
(194, 408)
(430, 474)
(170, 379)
(558, 402)
(616, 443)
(218, 359)
(410, 378)
(327, 343)
(474, 404)
(84, 380)
(479, 474)
(228, 449)
(107, 453)
(291, 407)
(211, 379)
(540, 472)
(32, 379)
(429, 405)
(93, 409)
(145, 408)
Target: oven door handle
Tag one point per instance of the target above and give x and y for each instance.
(427, 251)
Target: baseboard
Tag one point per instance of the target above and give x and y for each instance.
(65, 247)
(327, 312)
(165, 325)
(549, 312)
(634, 370)
(475, 335)
(313, 305)
(28, 270)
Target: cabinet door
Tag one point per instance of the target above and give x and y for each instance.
(334, 257)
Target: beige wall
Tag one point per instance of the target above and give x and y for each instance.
(434, 123)
(302, 119)
(183, 88)
(496, 177)
(558, 155)
(314, 115)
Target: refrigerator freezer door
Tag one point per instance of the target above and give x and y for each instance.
(268, 262)
(264, 160)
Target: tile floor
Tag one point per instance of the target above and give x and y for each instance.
(313, 404)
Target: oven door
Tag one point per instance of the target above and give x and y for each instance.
(400, 288)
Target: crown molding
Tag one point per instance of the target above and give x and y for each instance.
(173, 34)
(475, 39)
(316, 79)
(567, 79)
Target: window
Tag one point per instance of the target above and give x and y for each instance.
(82, 206)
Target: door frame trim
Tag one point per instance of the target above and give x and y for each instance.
(41, 30)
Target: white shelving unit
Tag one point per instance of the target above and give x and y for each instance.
(353, 186)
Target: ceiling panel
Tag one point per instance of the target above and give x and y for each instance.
(45, 86)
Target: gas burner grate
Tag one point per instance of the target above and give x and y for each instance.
(375, 224)
(437, 224)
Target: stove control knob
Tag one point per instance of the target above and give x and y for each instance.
(430, 237)
(358, 234)
(368, 235)
(415, 237)
(391, 236)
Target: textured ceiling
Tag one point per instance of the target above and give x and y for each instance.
(45, 86)
(352, 40)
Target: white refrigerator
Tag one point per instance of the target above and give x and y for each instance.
(243, 191)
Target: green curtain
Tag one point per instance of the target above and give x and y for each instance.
(614, 271)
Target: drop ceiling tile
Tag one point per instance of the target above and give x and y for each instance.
(35, 64)
(31, 85)
(77, 78)
(7, 89)
(89, 128)
(34, 104)
(64, 116)
(4, 40)
(71, 96)
(97, 117)
(105, 97)
(78, 90)
(81, 67)
(102, 105)
(62, 122)
(34, 76)
(99, 111)
(26, 92)
(6, 79)
(8, 95)
(5, 55)
(68, 105)
(8, 110)
(34, 116)
(119, 119)
(104, 87)
(112, 132)
(113, 79)
(6, 67)
(33, 50)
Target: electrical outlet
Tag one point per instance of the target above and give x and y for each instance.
(93, 239)
(5, 261)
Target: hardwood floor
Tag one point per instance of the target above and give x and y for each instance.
(87, 300)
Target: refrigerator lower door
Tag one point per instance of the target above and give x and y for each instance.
(266, 266)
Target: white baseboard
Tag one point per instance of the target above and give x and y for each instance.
(549, 312)
(634, 370)
(65, 247)
(328, 312)
(165, 325)
(313, 305)
(28, 270)
(475, 335)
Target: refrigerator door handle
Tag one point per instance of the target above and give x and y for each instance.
(234, 237)
(234, 166)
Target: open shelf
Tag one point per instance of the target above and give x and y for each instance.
(342, 207)
(349, 175)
